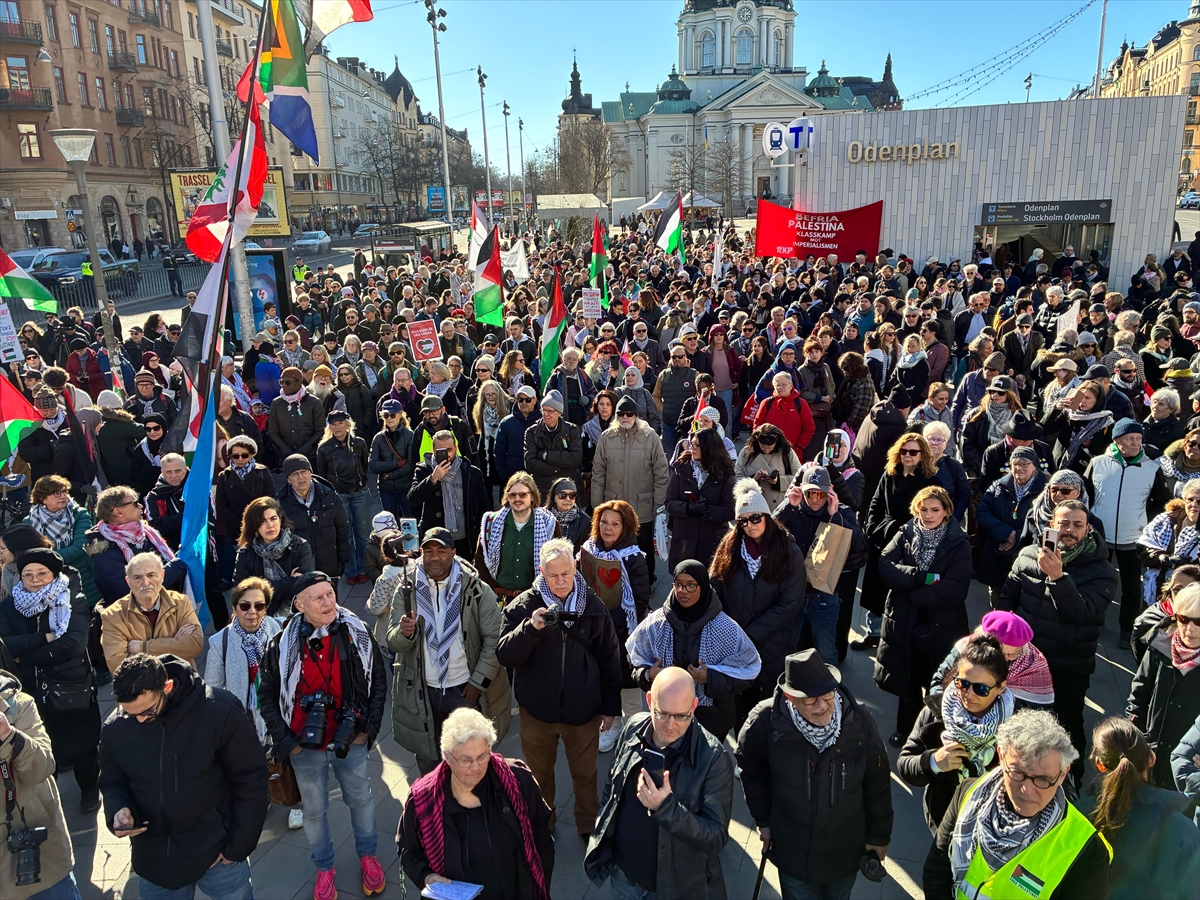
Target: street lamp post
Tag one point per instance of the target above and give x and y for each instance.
(432, 17)
(75, 144)
(521, 144)
(508, 159)
(487, 165)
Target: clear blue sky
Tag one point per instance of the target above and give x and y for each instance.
(525, 49)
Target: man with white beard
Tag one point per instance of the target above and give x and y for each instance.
(322, 388)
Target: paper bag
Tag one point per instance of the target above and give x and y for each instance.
(825, 558)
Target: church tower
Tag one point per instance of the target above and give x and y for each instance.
(735, 36)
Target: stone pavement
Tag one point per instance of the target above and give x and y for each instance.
(282, 869)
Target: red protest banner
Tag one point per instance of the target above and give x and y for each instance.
(423, 336)
(775, 230)
(843, 233)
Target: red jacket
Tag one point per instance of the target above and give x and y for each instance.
(790, 415)
(90, 365)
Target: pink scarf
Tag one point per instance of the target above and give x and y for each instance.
(293, 398)
(429, 803)
(1183, 658)
(1029, 677)
(135, 534)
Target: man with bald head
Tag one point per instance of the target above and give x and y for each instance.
(669, 775)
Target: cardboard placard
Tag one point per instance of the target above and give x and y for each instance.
(423, 337)
(591, 303)
(10, 347)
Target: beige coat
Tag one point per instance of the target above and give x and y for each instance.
(631, 466)
(27, 749)
(746, 467)
(122, 622)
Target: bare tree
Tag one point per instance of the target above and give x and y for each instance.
(588, 157)
(726, 172)
(687, 167)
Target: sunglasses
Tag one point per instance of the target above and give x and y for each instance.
(239, 456)
(980, 689)
(289, 341)
(525, 399)
(673, 356)
(152, 428)
(565, 495)
(626, 415)
(907, 452)
(1186, 620)
(816, 495)
(752, 519)
(257, 607)
(1060, 489)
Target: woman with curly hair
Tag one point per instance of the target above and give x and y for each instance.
(856, 394)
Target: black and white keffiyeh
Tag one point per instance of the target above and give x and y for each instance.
(493, 535)
(271, 553)
(55, 596)
(58, 526)
(820, 736)
(724, 648)
(289, 654)
(572, 606)
(925, 542)
(753, 563)
(976, 734)
(440, 635)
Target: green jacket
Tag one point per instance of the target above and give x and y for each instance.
(412, 718)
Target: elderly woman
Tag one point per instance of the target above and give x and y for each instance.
(1162, 427)
(1002, 514)
(1163, 702)
(955, 734)
(950, 472)
(269, 548)
(55, 515)
(1180, 463)
(478, 817)
(997, 825)
(770, 460)
(439, 385)
(1028, 672)
(231, 377)
(633, 385)
(121, 533)
(1170, 540)
(44, 624)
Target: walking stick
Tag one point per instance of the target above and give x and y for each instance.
(762, 867)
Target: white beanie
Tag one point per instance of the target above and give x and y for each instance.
(748, 498)
(383, 521)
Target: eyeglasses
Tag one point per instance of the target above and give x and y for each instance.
(751, 519)
(246, 606)
(915, 451)
(677, 718)
(685, 588)
(1045, 782)
(148, 715)
(1186, 620)
(980, 689)
(239, 455)
(809, 702)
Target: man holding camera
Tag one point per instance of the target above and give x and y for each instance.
(183, 776)
(560, 641)
(669, 775)
(322, 691)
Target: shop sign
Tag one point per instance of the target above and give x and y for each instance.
(857, 152)
(1048, 212)
(29, 215)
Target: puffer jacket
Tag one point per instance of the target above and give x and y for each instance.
(324, 525)
(510, 442)
(693, 826)
(1124, 495)
(698, 524)
(344, 464)
(116, 442)
(631, 465)
(821, 807)
(297, 557)
(360, 405)
(108, 566)
(1163, 702)
(412, 715)
(563, 449)
(393, 460)
(27, 750)
(1186, 770)
(1001, 514)
(1066, 615)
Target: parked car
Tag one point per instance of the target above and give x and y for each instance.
(364, 230)
(63, 270)
(183, 254)
(1190, 200)
(31, 256)
(312, 243)
(251, 245)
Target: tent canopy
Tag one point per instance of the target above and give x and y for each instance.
(698, 201)
(661, 200)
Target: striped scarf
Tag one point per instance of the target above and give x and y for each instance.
(441, 635)
(429, 807)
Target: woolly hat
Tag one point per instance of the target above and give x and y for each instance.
(293, 373)
(45, 557)
(78, 344)
(1158, 332)
(384, 521)
(1124, 427)
(297, 462)
(626, 405)
(109, 400)
(1007, 627)
(46, 399)
(486, 361)
(899, 398)
(1027, 454)
(748, 498)
(323, 370)
(553, 400)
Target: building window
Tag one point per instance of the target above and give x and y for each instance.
(94, 34)
(74, 17)
(121, 43)
(27, 137)
(125, 152)
(191, 26)
(94, 159)
(744, 48)
(148, 101)
(140, 41)
(60, 85)
(167, 16)
(174, 63)
(179, 117)
(137, 153)
(110, 40)
(51, 24)
(83, 92)
(18, 72)
(110, 150)
(129, 96)
(196, 67)
(779, 51)
(101, 95)
(1187, 138)
(708, 50)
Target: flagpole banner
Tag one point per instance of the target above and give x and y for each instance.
(843, 233)
(423, 337)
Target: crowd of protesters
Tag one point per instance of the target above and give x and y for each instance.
(802, 448)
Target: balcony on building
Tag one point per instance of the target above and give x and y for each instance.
(128, 117)
(24, 31)
(28, 98)
(144, 17)
(224, 48)
(123, 62)
(230, 9)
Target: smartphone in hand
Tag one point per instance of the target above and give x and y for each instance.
(1050, 540)
(655, 764)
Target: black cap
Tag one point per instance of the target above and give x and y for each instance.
(1096, 372)
(806, 675)
(307, 580)
(440, 536)
(336, 415)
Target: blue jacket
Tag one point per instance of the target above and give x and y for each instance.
(510, 442)
(266, 380)
(108, 567)
(1001, 514)
(1185, 770)
(969, 395)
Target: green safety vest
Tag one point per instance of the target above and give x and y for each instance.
(298, 272)
(86, 269)
(1037, 870)
(427, 444)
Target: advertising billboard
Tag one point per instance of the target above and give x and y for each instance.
(188, 187)
(459, 192)
(435, 199)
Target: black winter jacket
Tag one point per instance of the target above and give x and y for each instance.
(344, 464)
(425, 495)
(234, 495)
(822, 808)
(569, 675)
(562, 449)
(298, 556)
(1163, 702)
(698, 524)
(1066, 615)
(324, 525)
(880, 429)
(196, 774)
(164, 510)
(393, 459)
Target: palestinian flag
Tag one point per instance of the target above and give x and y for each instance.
(668, 234)
(553, 330)
(489, 294)
(1027, 881)
(17, 417)
(599, 260)
(479, 232)
(15, 284)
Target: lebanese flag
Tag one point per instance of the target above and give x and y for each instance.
(210, 222)
(330, 15)
(552, 332)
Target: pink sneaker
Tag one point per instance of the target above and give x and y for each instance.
(325, 889)
(373, 879)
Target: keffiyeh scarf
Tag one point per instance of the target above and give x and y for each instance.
(978, 735)
(59, 526)
(293, 399)
(573, 605)
(254, 645)
(1159, 534)
(437, 390)
(1056, 391)
(271, 553)
(699, 473)
(989, 823)
(998, 415)
(491, 421)
(820, 736)
(753, 561)
(1183, 658)
(1181, 475)
(452, 504)
(1029, 677)
(441, 635)
(240, 395)
(1089, 423)
(131, 537)
(60, 415)
(289, 654)
(55, 596)
(724, 648)
(925, 542)
(493, 535)
(619, 556)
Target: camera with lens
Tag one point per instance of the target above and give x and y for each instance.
(555, 618)
(345, 733)
(26, 843)
(316, 717)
